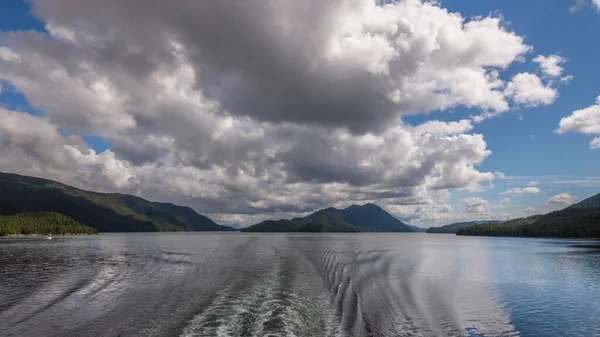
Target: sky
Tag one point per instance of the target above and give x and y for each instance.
(250, 110)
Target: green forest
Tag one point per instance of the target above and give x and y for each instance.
(106, 212)
(42, 223)
(365, 218)
(454, 227)
(581, 220)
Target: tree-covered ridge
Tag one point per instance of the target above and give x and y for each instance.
(591, 202)
(455, 227)
(106, 212)
(417, 228)
(31, 223)
(579, 220)
(324, 223)
(509, 228)
(365, 218)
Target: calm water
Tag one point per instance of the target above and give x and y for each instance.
(298, 285)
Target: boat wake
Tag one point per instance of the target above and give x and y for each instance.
(288, 300)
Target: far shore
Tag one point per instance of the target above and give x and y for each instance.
(38, 235)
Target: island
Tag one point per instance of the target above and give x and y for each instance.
(356, 218)
(581, 220)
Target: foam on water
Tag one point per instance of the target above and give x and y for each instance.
(286, 301)
(339, 285)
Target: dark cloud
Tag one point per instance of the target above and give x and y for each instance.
(256, 107)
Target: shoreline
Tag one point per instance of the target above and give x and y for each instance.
(592, 238)
(42, 235)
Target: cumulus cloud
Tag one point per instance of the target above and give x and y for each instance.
(519, 190)
(534, 210)
(443, 128)
(579, 4)
(33, 145)
(533, 183)
(476, 205)
(528, 90)
(566, 79)
(285, 175)
(298, 62)
(550, 64)
(562, 199)
(243, 109)
(585, 120)
(503, 202)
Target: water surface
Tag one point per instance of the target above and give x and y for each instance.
(236, 284)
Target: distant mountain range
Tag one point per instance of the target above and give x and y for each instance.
(417, 229)
(454, 227)
(115, 212)
(578, 220)
(365, 218)
(106, 212)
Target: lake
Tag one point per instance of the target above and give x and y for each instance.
(237, 284)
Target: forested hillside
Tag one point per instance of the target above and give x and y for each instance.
(455, 227)
(365, 218)
(578, 220)
(106, 212)
(41, 223)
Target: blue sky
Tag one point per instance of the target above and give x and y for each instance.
(523, 143)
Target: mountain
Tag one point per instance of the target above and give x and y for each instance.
(454, 227)
(234, 226)
(578, 220)
(417, 229)
(589, 203)
(373, 216)
(365, 218)
(106, 212)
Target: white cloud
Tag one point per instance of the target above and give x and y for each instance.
(585, 120)
(294, 106)
(347, 168)
(533, 183)
(577, 6)
(7, 54)
(420, 58)
(562, 199)
(33, 145)
(503, 202)
(476, 205)
(444, 128)
(518, 190)
(566, 79)
(528, 90)
(60, 32)
(550, 64)
(535, 210)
